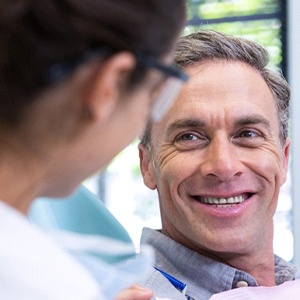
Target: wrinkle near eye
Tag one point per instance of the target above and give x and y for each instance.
(164, 155)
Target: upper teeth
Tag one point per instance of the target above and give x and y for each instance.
(230, 200)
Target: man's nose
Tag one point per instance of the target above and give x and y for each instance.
(222, 160)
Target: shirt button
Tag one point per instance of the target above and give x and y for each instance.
(241, 284)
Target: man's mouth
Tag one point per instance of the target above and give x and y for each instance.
(223, 202)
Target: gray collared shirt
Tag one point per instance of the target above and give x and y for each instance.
(203, 276)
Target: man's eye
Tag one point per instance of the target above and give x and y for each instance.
(187, 137)
(248, 134)
(249, 138)
(189, 140)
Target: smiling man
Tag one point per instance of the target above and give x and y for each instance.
(218, 160)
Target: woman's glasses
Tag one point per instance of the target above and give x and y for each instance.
(167, 93)
(170, 89)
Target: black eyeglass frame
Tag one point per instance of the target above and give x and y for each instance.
(169, 71)
(59, 71)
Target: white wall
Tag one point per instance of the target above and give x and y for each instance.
(294, 80)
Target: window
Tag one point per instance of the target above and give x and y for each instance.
(263, 21)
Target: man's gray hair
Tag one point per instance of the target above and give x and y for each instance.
(208, 45)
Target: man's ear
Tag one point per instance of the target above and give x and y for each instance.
(285, 160)
(146, 166)
(103, 94)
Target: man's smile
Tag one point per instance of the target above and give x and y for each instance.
(223, 202)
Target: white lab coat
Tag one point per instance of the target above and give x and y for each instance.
(34, 266)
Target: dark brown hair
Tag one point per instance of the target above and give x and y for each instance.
(35, 34)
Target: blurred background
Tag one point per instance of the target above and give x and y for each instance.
(274, 24)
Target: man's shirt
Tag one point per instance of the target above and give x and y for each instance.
(203, 276)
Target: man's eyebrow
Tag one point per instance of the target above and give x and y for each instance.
(252, 119)
(184, 123)
(198, 123)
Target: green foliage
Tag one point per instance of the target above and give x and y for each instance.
(213, 9)
(265, 32)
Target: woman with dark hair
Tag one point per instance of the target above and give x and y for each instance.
(77, 84)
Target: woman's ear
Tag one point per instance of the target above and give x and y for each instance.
(102, 95)
(146, 166)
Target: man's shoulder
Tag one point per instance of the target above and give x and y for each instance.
(182, 264)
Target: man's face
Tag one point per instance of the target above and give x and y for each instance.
(218, 163)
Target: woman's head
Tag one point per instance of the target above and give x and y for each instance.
(36, 34)
(74, 89)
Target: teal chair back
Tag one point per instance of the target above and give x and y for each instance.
(82, 212)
